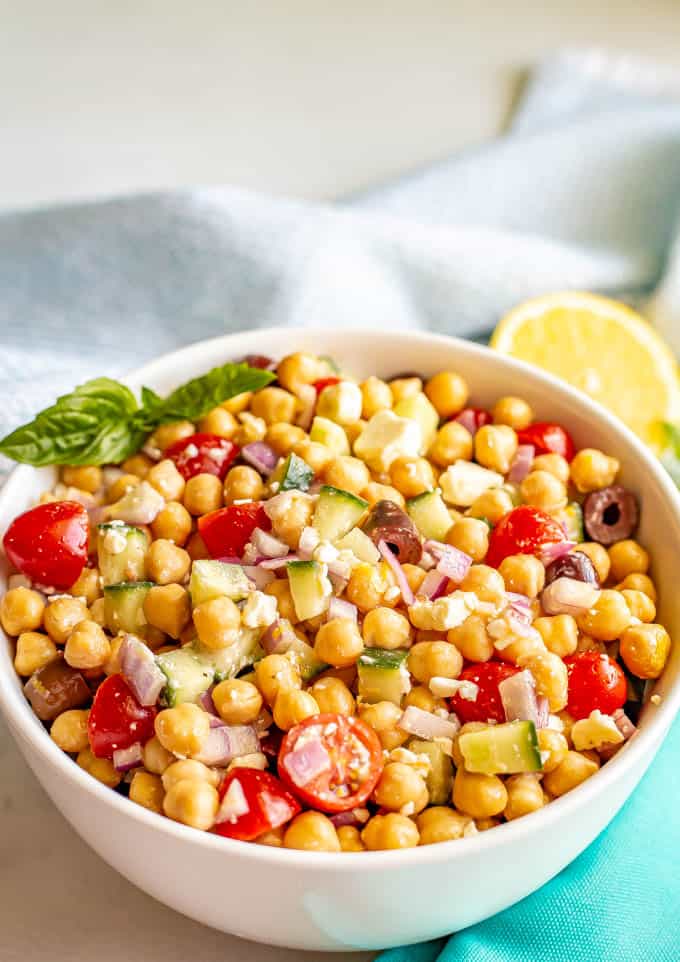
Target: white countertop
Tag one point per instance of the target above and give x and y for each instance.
(311, 98)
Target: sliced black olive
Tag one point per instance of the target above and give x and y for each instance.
(610, 514)
(387, 522)
(575, 565)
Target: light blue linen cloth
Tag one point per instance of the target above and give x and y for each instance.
(582, 192)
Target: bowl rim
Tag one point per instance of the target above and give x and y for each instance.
(638, 753)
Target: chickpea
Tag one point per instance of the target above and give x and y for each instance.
(491, 505)
(484, 824)
(217, 623)
(138, 464)
(61, 616)
(405, 387)
(434, 659)
(98, 612)
(87, 586)
(34, 651)
(525, 795)
(645, 649)
(543, 490)
(640, 605)
(376, 396)
(273, 838)
(523, 574)
(448, 392)
(147, 790)
(349, 837)
(87, 646)
(202, 494)
(485, 582)
(414, 575)
(168, 434)
(242, 483)
(275, 673)
(495, 447)
(121, 486)
(367, 587)
(167, 480)
(637, 582)
(471, 536)
(522, 648)
(156, 758)
(591, 470)
(69, 730)
(166, 563)
(400, 787)
(168, 608)
(238, 702)
(292, 706)
(338, 642)
(452, 443)
(333, 695)
(550, 674)
(477, 795)
(190, 770)
(239, 403)
(513, 411)
(21, 609)
(289, 522)
(315, 454)
(555, 745)
(182, 730)
(283, 437)
(441, 824)
(390, 831)
(312, 832)
(298, 369)
(374, 492)
(575, 768)
(348, 474)
(599, 558)
(172, 523)
(100, 768)
(607, 619)
(412, 476)
(280, 589)
(559, 634)
(386, 628)
(472, 639)
(628, 558)
(87, 478)
(554, 464)
(383, 716)
(421, 697)
(193, 803)
(219, 422)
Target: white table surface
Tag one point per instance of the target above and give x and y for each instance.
(311, 98)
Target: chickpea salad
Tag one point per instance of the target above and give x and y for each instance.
(295, 609)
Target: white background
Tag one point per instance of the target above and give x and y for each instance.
(309, 98)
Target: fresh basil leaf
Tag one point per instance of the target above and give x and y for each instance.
(202, 394)
(150, 399)
(670, 453)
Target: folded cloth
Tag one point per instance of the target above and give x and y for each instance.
(582, 192)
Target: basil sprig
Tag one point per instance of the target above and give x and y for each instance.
(101, 421)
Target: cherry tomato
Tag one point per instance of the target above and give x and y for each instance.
(202, 454)
(325, 382)
(547, 439)
(336, 764)
(259, 360)
(488, 705)
(227, 531)
(476, 416)
(524, 530)
(117, 720)
(49, 543)
(269, 802)
(596, 681)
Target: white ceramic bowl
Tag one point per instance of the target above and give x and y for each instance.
(380, 899)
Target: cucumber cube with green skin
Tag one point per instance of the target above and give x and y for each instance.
(361, 546)
(121, 552)
(124, 607)
(430, 515)
(574, 521)
(439, 779)
(192, 669)
(295, 474)
(330, 434)
(383, 675)
(228, 662)
(418, 408)
(309, 587)
(336, 512)
(502, 749)
(217, 579)
(304, 657)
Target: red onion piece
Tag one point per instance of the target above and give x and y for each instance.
(260, 456)
(339, 608)
(518, 695)
(468, 419)
(226, 742)
(308, 762)
(126, 758)
(356, 816)
(567, 596)
(273, 564)
(97, 514)
(278, 637)
(309, 540)
(516, 599)
(259, 576)
(206, 701)
(267, 545)
(543, 706)
(521, 463)
(426, 725)
(233, 805)
(433, 585)
(451, 561)
(624, 724)
(339, 582)
(138, 667)
(551, 552)
(399, 574)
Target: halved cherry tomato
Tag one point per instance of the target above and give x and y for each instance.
(227, 531)
(596, 681)
(259, 360)
(547, 439)
(325, 382)
(488, 705)
(269, 802)
(117, 720)
(524, 530)
(202, 454)
(49, 543)
(478, 416)
(331, 762)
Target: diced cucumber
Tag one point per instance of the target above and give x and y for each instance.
(336, 512)
(360, 545)
(430, 515)
(439, 779)
(309, 587)
(217, 579)
(418, 408)
(124, 607)
(330, 434)
(502, 749)
(306, 660)
(228, 662)
(121, 551)
(295, 474)
(383, 675)
(573, 518)
(192, 669)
